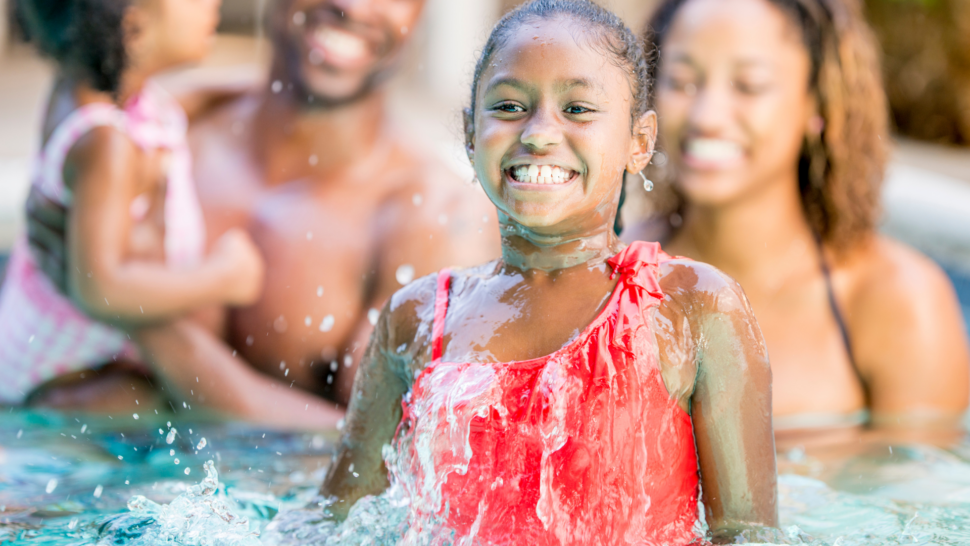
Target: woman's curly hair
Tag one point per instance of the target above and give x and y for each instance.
(840, 171)
(85, 37)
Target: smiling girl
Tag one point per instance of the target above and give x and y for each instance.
(576, 391)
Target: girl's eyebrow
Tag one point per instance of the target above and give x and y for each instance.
(577, 82)
(508, 81)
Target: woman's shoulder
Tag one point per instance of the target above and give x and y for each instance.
(900, 308)
(886, 275)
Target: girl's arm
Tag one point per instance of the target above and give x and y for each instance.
(108, 285)
(731, 410)
(375, 405)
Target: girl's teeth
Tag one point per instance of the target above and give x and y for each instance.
(711, 149)
(535, 174)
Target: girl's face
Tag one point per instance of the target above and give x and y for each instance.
(172, 32)
(733, 99)
(552, 133)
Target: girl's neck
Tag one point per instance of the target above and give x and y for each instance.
(748, 239)
(525, 249)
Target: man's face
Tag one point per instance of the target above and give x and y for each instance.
(338, 50)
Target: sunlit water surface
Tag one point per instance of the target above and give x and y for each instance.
(67, 481)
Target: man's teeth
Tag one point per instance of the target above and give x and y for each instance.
(713, 149)
(339, 42)
(541, 174)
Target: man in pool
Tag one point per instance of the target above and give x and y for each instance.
(344, 209)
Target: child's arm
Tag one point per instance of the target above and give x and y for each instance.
(103, 280)
(375, 406)
(731, 410)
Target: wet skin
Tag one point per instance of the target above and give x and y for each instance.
(737, 71)
(367, 202)
(552, 280)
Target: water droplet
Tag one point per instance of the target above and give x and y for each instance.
(249, 341)
(282, 364)
(372, 316)
(202, 443)
(83, 428)
(327, 323)
(171, 453)
(20, 433)
(334, 366)
(51, 486)
(404, 274)
(187, 471)
(280, 324)
(484, 219)
(277, 86)
(176, 461)
(313, 161)
(307, 321)
(134, 416)
(121, 458)
(319, 291)
(340, 424)
(171, 436)
(442, 218)
(299, 18)
(417, 199)
(31, 340)
(97, 491)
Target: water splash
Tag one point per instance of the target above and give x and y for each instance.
(201, 516)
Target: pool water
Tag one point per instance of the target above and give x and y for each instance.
(67, 480)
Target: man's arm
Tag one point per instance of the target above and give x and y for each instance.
(201, 368)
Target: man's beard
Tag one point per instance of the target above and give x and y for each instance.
(312, 100)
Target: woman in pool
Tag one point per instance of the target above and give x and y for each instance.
(774, 120)
(556, 396)
(114, 153)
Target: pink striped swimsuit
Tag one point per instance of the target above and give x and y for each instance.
(42, 333)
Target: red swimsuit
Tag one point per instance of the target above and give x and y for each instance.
(583, 446)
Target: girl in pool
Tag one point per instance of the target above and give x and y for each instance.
(114, 153)
(774, 119)
(576, 391)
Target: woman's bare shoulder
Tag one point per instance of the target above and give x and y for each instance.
(901, 310)
(885, 275)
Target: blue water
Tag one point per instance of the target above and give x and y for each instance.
(50, 472)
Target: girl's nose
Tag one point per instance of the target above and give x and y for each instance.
(542, 130)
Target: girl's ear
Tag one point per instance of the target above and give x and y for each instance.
(643, 143)
(469, 124)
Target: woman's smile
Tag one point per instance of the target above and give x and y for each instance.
(534, 176)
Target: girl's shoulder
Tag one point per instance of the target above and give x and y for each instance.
(688, 283)
(410, 311)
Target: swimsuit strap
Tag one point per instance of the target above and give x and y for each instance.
(50, 178)
(440, 312)
(837, 313)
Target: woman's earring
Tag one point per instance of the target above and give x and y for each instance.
(647, 183)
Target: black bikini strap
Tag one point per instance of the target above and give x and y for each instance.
(837, 312)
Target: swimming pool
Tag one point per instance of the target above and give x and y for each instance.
(66, 480)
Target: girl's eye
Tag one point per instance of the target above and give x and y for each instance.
(576, 109)
(509, 107)
(749, 88)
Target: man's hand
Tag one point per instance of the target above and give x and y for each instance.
(46, 221)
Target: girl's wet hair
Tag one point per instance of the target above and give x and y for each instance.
(85, 37)
(607, 31)
(840, 172)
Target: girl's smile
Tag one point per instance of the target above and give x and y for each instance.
(552, 129)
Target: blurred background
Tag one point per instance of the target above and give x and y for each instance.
(925, 43)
